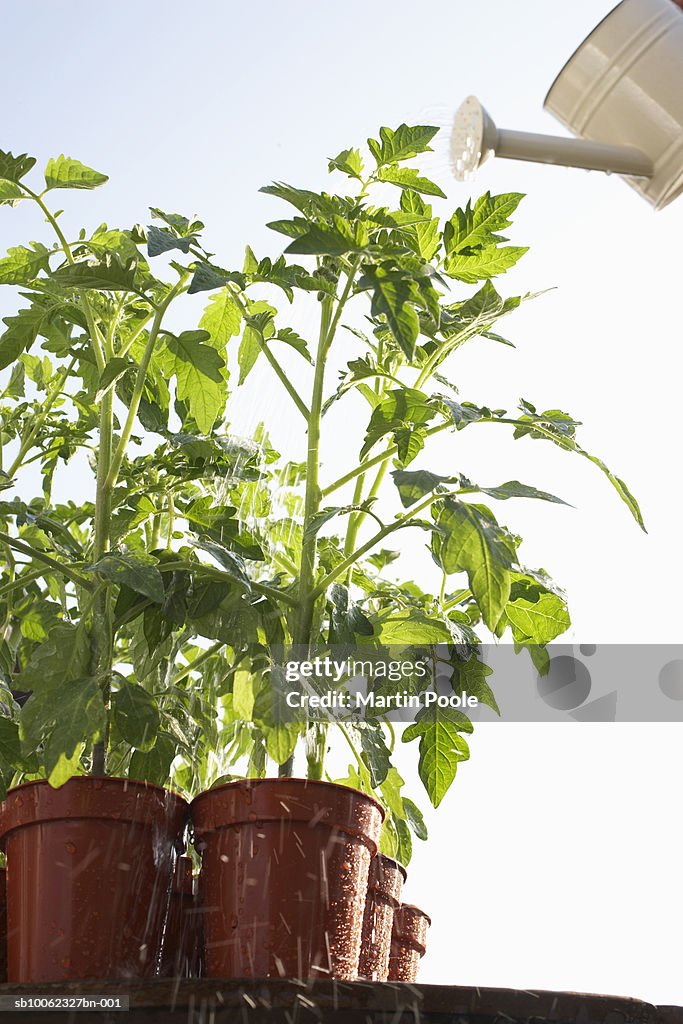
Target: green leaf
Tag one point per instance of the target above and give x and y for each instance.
(109, 273)
(409, 178)
(400, 408)
(67, 173)
(154, 765)
(258, 328)
(64, 656)
(540, 620)
(483, 263)
(136, 715)
(295, 341)
(376, 754)
(411, 626)
(415, 484)
(65, 717)
(442, 747)
(348, 162)
(334, 239)
(415, 819)
(402, 144)
(559, 427)
(222, 319)
(198, 369)
(513, 489)
(281, 741)
(474, 227)
(14, 168)
(427, 234)
(10, 747)
(160, 241)
(22, 265)
(10, 192)
(114, 369)
(468, 539)
(470, 677)
(137, 571)
(392, 296)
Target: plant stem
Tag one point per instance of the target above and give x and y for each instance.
(302, 633)
(95, 337)
(284, 379)
(140, 379)
(199, 660)
(350, 560)
(376, 460)
(26, 549)
(51, 397)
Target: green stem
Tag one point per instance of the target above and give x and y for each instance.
(376, 460)
(351, 559)
(312, 496)
(51, 397)
(95, 337)
(284, 379)
(199, 660)
(140, 380)
(72, 574)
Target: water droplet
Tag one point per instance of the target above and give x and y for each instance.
(70, 847)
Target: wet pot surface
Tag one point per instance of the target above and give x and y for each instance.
(88, 876)
(284, 877)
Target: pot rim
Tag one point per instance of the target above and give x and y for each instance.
(416, 910)
(304, 783)
(397, 863)
(179, 805)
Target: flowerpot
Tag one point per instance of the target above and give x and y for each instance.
(180, 955)
(624, 85)
(383, 899)
(408, 942)
(3, 926)
(89, 869)
(284, 877)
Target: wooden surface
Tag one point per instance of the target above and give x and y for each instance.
(274, 1001)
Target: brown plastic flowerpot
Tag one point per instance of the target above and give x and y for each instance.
(383, 899)
(89, 869)
(3, 926)
(180, 955)
(284, 877)
(408, 942)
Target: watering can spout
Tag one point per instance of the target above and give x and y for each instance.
(621, 97)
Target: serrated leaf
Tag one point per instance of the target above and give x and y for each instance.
(136, 715)
(331, 239)
(64, 172)
(14, 168)
(222, 319)
(400, 408)
(160, 241)
(409, 178)
(393, 296)
(198, 370)
(476, 226)
(109, 273)
(540, 620)
(442, 747)
(483, 263)
(348, 162)
(468, 539)
(22, 265)
(404, 143)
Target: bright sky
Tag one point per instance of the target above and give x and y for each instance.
(554, 861)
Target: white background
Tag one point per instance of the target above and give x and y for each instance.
(555, 860)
